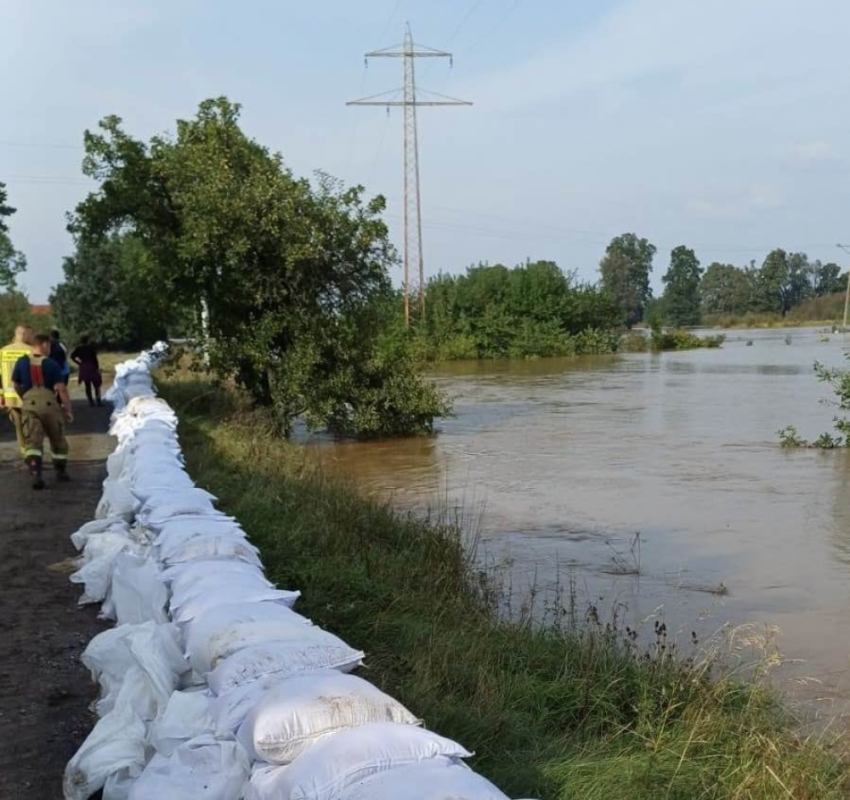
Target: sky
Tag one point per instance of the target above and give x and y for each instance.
(718, 124)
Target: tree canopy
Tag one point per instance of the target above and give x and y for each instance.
(12, 262)
(282, 277)
(682, 280)
(625, 272)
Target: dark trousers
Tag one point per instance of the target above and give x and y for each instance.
(89, 385)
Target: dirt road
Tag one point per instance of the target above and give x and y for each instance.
(45, 691)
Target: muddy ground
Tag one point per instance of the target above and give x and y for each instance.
(45, 691)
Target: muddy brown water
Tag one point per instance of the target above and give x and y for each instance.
(561, 463)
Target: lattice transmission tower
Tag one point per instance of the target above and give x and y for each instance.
(411, 98)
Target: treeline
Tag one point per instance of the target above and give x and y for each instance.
(534, 309)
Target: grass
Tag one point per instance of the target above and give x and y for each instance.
(817, 312)
(552, 711)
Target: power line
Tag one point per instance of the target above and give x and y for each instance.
(409, 52)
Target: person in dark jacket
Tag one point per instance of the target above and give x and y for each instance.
(84, 355)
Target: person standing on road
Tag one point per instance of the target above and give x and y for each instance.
(84, 355)
(20, 346)
(59, 353)
(38, 380)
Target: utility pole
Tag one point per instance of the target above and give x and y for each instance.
(408, 51)
(846, 249)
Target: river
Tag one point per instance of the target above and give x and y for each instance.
(561, 463)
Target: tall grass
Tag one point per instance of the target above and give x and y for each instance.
(561, 711)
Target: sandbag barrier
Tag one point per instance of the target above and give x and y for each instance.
(211, 685)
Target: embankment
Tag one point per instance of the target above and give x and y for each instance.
(555, 712)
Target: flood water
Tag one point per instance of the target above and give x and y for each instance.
(563, 462)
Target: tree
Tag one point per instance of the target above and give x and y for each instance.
(625, 272)
(799, 283)
(682, 280)
(106, 293)
(826, 279)
(12, 262)
(285, 269)
(772, 283)
(725, 289)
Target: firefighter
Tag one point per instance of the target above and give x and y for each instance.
(21, 345)
(38, 379)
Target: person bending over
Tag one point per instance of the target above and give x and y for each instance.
(38, 380)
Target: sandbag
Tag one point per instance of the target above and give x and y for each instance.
(436, 779)
(229, 709)
(203, 767)
(213, 545)
(186, 716)
(116, 501)
(153, 649)
(99, 556)
(223, 593)
(116, 742)
(182, 576)
(116, 524)
(136, 594)
(336, 762)
(317, 651)
(298, 712)
(224, 629)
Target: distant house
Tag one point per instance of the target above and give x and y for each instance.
(40, 309)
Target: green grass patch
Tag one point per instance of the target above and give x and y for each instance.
(561, 711)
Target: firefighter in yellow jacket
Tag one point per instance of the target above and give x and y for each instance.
(20, 346)
(38, 380)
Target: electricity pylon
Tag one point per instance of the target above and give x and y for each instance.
(409, 51)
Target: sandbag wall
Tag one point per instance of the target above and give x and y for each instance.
(211, 685)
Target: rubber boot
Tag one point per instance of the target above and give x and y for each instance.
(34, 466)
(61, 468)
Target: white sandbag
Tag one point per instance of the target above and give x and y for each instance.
(182, 576)
(229, 710)
(224, 629)
(170, 541)
(116, 501)
(137, 594)
(222, 593)
(166, 497)
(203, 767)
(98, 563)
(186, 716)
(117, 786)
(179, 529)
(183, 503)
(298, 712)
(336, 762)
(315, 652)
(436, 779)
(153, 649)
(218, 545)
(98, 526)
(115, 743)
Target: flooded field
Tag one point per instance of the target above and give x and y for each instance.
(564, 462)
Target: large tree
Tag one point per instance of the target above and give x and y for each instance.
(12, 262)
(286, 272)
(826, 278)
(625, 272)
(681, 296)
(725, 289)
(107, 292)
